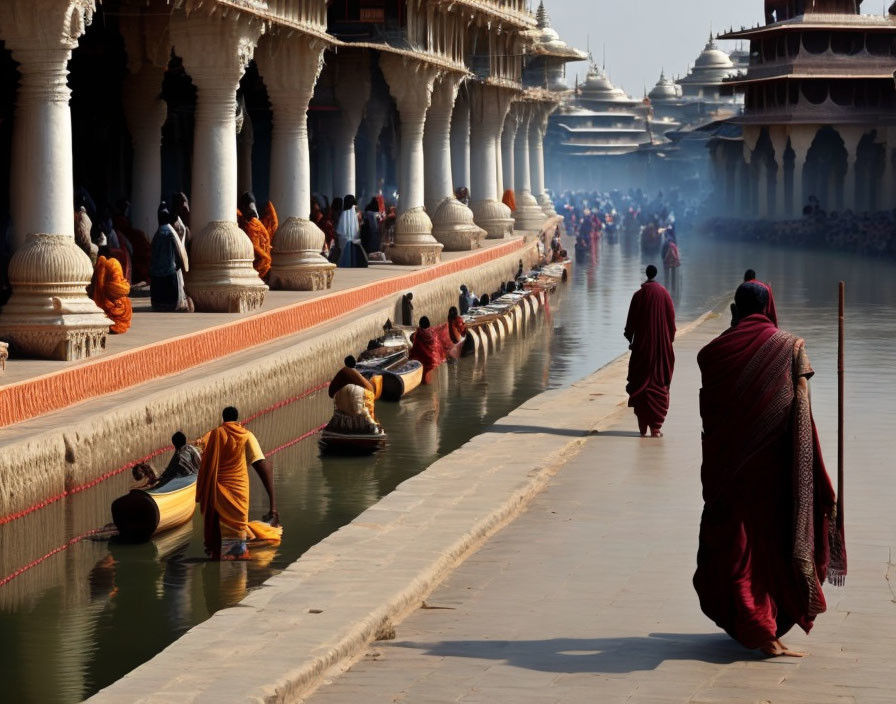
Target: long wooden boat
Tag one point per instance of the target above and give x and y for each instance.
(401, 379)
(142, 513)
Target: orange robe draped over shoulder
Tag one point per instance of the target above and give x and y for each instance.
(110, 293)
(261, 235)
(222, 489)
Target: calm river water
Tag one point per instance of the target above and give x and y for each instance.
(86, 611)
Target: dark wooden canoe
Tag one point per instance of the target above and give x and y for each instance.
(143, 513)
(402, 379)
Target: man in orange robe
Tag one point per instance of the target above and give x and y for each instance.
(260, 232)
(222, 489)
(110, 290)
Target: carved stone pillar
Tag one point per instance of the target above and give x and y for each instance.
(529, 215)
(452, 221)
(779, 138)
(245, 142)
(215, 49)
(851, 137)
(801, 139)
(411, 84)
(887, 197)
(374, 121)
(538, 127)
(489, 105)
(352, 89)
(508, 142)
(49, 314)
(460, 141)
(147, 46)
(290, 67)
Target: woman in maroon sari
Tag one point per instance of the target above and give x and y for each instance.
(650, 330)
(428, 348)
(767, 538)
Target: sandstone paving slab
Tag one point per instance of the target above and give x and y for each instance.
(591, 586)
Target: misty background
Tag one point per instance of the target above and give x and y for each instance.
(644, 36)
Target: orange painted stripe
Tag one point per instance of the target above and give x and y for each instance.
(105, 375)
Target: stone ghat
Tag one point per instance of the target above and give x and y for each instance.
(55, 456)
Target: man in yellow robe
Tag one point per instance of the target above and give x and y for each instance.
(222, 489)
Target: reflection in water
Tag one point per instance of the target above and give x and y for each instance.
(87, 611)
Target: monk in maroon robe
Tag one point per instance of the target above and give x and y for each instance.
(768, 538)
(650, 330)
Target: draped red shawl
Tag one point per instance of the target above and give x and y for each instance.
(428, 348)
(766, 531)
(651, 330)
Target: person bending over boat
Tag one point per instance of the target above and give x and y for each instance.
(456, 326)
(428, 349)
(354, 400)
(222, 490)
(184, 462)
(348, 375)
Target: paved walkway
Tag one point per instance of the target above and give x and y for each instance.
(587, 596)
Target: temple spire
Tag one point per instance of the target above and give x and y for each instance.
(542, 18)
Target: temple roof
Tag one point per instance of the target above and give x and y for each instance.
(549, 43)
(817, 21)
(599, 88)
(712, 67)
(665, 90)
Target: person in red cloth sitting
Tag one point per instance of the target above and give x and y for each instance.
(769, 536)
(650, 330)
(428, 348)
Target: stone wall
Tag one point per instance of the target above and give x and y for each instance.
(138, 423)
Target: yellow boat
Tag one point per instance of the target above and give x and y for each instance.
(143, 513)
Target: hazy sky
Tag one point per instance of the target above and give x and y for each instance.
(644, 36)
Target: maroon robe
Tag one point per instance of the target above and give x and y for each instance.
(428, 348)
(766, 531)
(650, 329)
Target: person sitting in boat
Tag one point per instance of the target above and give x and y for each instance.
(353, 402)
(428, 349)
(184, 462)
(456, 326)
(144, 476)
(485, 300)
(222, 489)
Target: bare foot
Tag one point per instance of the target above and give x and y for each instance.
(776, 649)
(656, 433)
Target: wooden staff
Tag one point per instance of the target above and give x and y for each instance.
(840, 408)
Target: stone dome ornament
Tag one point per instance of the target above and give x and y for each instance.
(49, 314)
(453, 226)
(297, 261)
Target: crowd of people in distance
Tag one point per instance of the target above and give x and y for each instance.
(872, 234)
